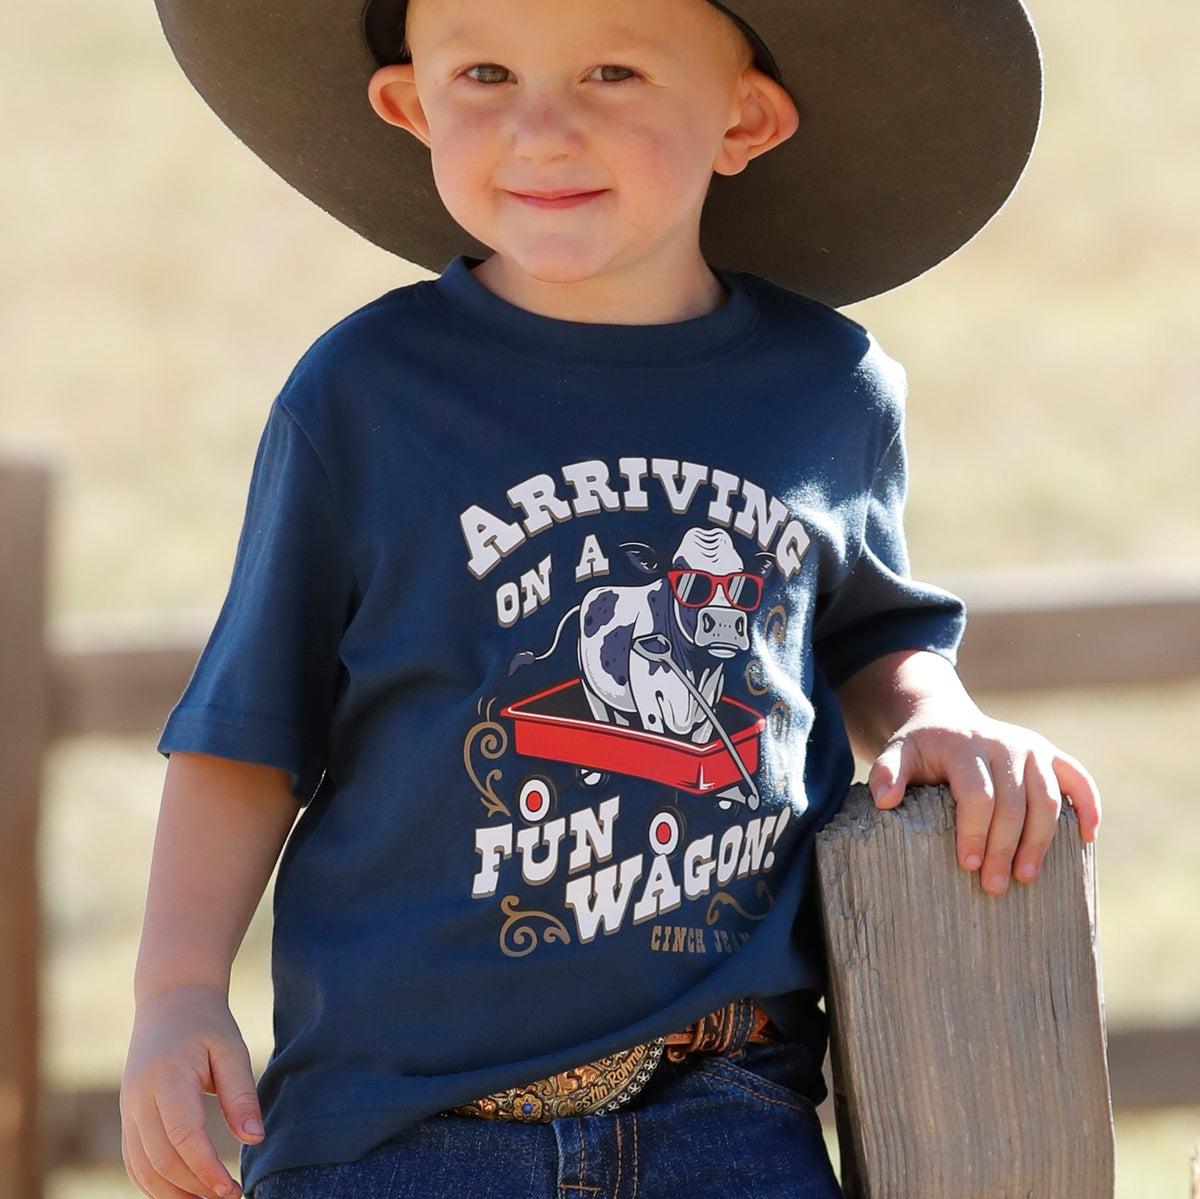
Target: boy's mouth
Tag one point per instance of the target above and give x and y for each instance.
(560, 198)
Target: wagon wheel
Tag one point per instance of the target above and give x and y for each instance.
(537, 797)
(725, 802)
(666, 829)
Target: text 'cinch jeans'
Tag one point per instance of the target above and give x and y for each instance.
(712, 1127)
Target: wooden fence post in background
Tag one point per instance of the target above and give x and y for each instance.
(24, 695)
(968, 1030)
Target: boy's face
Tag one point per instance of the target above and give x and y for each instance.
(577, 138)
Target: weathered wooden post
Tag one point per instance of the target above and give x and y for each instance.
(968, 1030)
(24, 692)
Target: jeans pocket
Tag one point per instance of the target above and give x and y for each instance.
(738, 1075)
(740, 1133)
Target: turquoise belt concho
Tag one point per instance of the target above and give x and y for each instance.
(610, 1082)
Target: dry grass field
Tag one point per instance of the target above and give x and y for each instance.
(157, 283)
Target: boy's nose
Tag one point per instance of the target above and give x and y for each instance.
(544, 128)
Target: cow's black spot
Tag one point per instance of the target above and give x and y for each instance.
(614, 653)
(657, 599)
(670, 619)
(600, 611)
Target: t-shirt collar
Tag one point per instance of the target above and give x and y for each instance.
(688, 342)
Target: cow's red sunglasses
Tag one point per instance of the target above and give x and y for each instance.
(695, 588)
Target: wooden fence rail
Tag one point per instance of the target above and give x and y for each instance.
(1027, 631)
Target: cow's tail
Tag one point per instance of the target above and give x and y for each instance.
(525, 656)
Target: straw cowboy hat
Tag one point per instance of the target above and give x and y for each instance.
(917, 118)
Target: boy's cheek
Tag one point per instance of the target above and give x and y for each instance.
(462, 179)
(467, 136)
(655, 158)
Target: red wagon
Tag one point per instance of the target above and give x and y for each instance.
(558, 725)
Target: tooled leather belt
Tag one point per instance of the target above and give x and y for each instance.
(610, 1082)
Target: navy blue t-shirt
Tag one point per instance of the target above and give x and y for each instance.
(544, 620)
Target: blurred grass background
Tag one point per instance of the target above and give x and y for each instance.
(157, 284)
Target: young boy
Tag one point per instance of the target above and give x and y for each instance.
(563, 580)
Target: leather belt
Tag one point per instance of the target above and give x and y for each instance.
(610, 1082)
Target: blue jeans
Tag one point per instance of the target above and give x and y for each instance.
(712, 1127)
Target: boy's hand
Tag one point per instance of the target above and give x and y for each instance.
(1008, 786)
(1008, 783)
(185, 1044)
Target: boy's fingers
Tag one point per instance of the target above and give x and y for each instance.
(135, 1160)
(234, 1084)
(1008, 820)
(179, 1147)
(970, 783)
(1043, 802)
(145, 1177)
(888, 776)
(1079, 785)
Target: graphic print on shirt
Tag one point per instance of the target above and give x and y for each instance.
(636, 714)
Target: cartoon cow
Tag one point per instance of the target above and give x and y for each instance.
(696, 616)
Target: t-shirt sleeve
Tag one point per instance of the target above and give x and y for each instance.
(266, 684)
(877, 608)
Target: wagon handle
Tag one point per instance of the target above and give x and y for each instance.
(654, 647)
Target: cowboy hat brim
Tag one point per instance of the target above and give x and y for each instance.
(917, 119)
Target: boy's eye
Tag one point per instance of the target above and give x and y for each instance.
(489, 72)
(611, 74)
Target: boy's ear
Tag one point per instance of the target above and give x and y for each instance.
(766, 116)
(393, 95)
